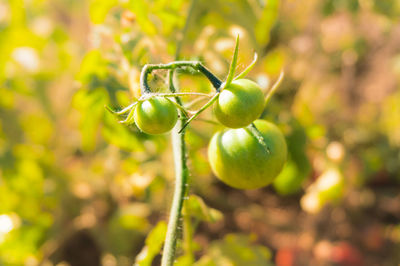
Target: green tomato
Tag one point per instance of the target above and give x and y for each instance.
(239, 104)
(290, 180)
(157, 115)
(239, 160)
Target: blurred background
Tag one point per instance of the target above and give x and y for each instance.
(78, 188)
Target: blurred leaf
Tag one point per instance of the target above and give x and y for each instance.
(274, 61)
(236, 250)
(92, 65)
(119, 134)
(98, 9)
(390, 116)
(185, 260)
(196, 207)
(91, 105)
(266, 21)
(17, 13)
(7, 98)
(37, 127)
(154, 242)
(331, 6)
(388, 7)
(133, 216)
(121, 231)
(141, 9)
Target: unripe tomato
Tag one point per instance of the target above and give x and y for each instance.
(156, 116)
(239, 160)
(239, 104)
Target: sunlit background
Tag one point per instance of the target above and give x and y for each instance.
(79, 188)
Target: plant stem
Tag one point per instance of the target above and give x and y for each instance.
(147, 69)
(274, 87)
(211, 101)
(153, 95)
(257, 134)
(248, 68)
(181, 177)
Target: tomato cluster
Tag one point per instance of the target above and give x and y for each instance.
(236, 156)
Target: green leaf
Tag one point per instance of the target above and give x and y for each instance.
(154, 242)
(98, 9)
(232, 67)
(236, 250)
(92, 64)
(119, 134)
(142, 11)
(195, 206)
(91, 105)
(266, 21)
(185, 260)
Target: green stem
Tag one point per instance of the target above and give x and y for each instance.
(196, 65)
(257, 134)
(129, 118)
(181, 178)
(211, 101)
(247, 70)
(152, 95)
(274, 87)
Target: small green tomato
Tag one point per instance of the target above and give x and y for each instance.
(239, 104)
(157, 115)
(239, 160)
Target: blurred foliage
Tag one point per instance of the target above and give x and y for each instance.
(74, 181)
(235, 250)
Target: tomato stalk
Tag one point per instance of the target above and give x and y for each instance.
(196, 65)
(178, 134)
(257, 134)
(181, 178)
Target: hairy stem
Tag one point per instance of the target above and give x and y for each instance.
(181, 178)
(153, 95)
(196, 65)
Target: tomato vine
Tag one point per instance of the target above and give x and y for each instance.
(242, 102)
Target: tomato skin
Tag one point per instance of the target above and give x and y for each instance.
(239, 104)
(239, 160)
(157, 115)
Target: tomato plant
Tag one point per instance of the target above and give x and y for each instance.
(157, 115)
(239, 160)
(244, 158)
(239, 104)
